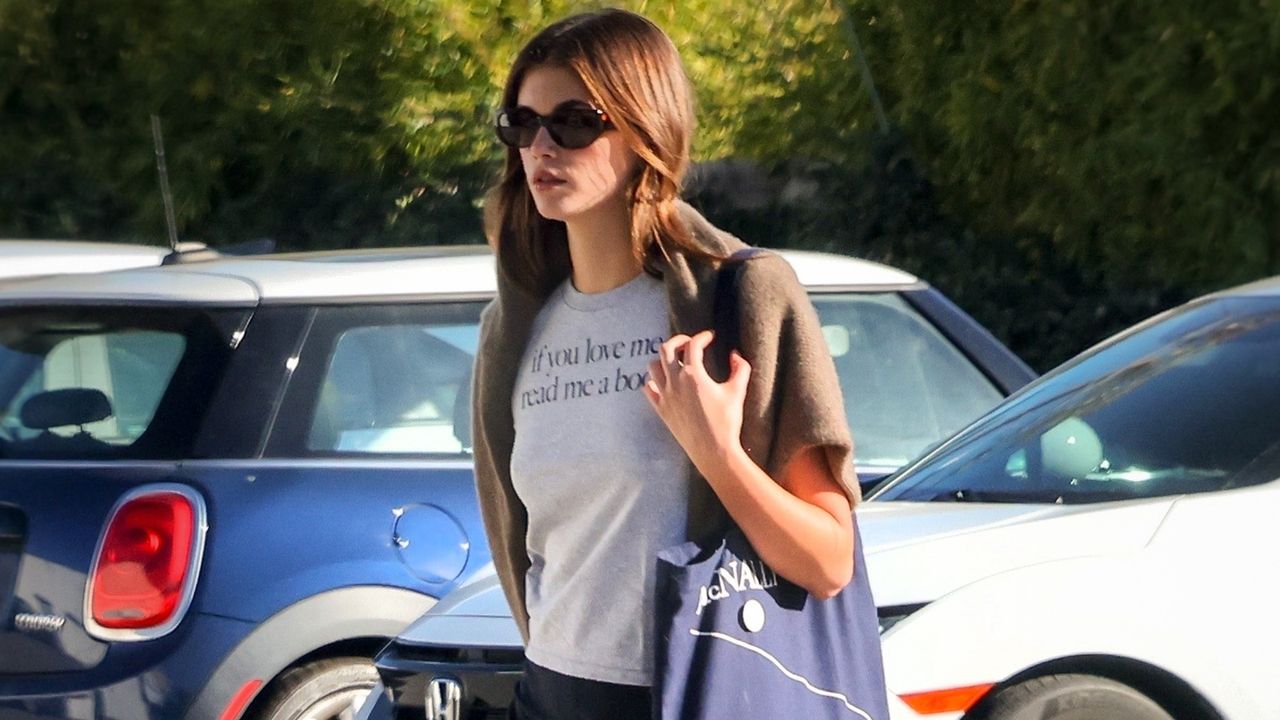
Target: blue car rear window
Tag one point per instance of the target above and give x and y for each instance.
(84, 383)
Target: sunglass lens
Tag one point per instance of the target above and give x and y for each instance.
(516, 128)
(576, 128)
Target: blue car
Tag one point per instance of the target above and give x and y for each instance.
(226, 483)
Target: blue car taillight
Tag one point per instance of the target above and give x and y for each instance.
(145, 568)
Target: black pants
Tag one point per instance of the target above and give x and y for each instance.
(544, 694)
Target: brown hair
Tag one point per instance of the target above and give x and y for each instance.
(633, 71)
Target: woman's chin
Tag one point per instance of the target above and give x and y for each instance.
(551, 213)
(567, 209)
(556, 210)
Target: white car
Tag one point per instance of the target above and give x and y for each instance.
(1095, 548)
(33, 258)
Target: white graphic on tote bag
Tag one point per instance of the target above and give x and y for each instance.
(793, 676)
(737, 576)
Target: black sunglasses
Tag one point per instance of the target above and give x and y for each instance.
(572, 125)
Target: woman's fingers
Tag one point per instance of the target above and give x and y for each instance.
(655, 385)
(739, 374)
(669, 351)
(693, 351)
(682, 352)
(651, 391)
(657, 374)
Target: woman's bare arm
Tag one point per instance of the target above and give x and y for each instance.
(801, 524)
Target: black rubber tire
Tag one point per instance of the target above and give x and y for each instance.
(330, 689)
(1073, 697)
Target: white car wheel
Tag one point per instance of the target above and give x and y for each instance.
(1073, 697)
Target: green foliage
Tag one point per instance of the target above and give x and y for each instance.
(1037, 301)
(1136, 136)
(344, 122)
(281, 118)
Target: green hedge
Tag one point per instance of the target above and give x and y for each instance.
(338, 122)
(1045, 307)
(289, 119)
(1137, 136)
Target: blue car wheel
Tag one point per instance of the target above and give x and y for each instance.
(331, 689)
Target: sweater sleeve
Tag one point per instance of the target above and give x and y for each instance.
(505, 518)
(794, 400)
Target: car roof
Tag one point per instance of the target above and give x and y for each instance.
(30, 258)
(1266, 287)
(458, 270)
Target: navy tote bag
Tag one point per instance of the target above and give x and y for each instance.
(736, 641)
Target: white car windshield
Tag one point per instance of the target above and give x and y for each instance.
(1184, 405)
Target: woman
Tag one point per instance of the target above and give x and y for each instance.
(600, 436)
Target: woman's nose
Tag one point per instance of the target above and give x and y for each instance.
(542, 142)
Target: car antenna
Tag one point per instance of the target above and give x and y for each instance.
(158, 139)
(181, 252)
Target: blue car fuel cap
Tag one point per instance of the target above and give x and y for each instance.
(431, 543)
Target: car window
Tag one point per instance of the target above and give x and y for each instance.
(905, 386)
(1193, 412)
(86, 383)
(373, 401)
(394, 381)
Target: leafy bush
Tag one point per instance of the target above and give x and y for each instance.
(1037, 301)
(1137, 136)
(287, 119)
(334, 123)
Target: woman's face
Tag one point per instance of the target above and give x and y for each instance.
(570, 185)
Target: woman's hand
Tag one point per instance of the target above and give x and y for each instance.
(704, 416)
(801, 523)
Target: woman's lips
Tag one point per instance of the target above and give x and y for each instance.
(546, 181)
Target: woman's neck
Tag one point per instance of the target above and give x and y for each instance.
(600, 250)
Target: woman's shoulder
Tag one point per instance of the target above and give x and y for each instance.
(767, 279)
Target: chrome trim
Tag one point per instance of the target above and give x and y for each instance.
(874, 468)
(282, 391)
(193, 565)
(866, 289)
(237, 335)
(408, 298)
(105, 464)
(33, 622)
(444, 699)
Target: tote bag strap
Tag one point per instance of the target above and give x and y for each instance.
(727, 321)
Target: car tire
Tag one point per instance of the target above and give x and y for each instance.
(1073, 697)
(331, 689)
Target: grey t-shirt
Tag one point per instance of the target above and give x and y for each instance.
(602, 478)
